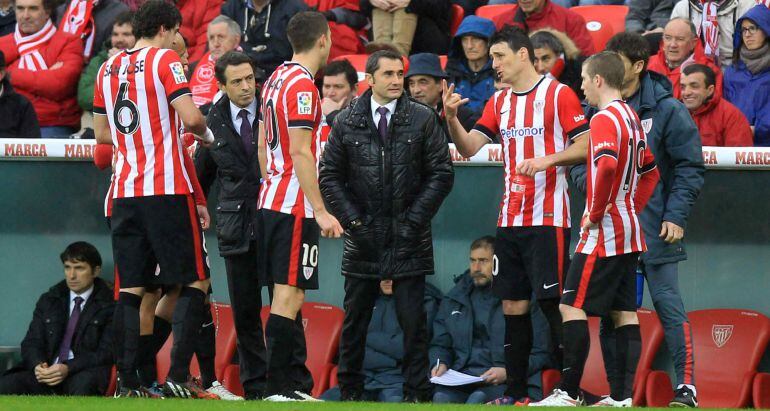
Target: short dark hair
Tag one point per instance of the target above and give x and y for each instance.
(231, 58)
(305, 29)
(631, 45)
(373, 61)
(546, 40)
(486, 242)
(609, 66)
(126, 17)
(82, 251)
(342, 67)
(516, 39)
(153, 15)
(708, 73)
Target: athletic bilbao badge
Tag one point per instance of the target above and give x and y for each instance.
(720, 334)
(307, 272)
(647, 125)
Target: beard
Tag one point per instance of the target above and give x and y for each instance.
(480, 280)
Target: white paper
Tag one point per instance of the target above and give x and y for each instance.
(453, 378)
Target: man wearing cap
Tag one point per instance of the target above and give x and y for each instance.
(424, 81)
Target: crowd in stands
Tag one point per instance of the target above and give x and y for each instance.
(52, 50)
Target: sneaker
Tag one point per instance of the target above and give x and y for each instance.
(124, 392)
(307, 397)
(222, 392)
(506, 400)
(288, 396)
(558, 398)
(607, 401)
(154, 391)
(189, 389)
(684, 397)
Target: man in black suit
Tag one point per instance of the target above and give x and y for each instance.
(67, 349)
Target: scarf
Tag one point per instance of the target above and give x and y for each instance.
(709, 28)
(756, 60)
(78, 20)
(203, 83)
(29, 47)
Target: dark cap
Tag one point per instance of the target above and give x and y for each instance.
(425, 64)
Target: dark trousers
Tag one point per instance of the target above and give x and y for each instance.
(85, 382)
(360, 295)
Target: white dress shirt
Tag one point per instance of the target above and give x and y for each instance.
(234, 110)
(376, 116)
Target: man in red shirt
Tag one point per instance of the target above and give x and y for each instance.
(224, 35)
(719, 122)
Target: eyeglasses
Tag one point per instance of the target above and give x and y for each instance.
(749, 30)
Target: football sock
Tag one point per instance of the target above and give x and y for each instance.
(518, 344)
(126, 323)
(550, 309)
(205, 348)
(628, 340)
(280, 348)
(576, 345)
(186, 325)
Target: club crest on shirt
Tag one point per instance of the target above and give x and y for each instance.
(307, 272)
(304, 100)
(539, 106)
(647, 125)
(178, 72)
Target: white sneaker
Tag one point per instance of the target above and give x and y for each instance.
(307, 397)
(289, 396)
(558, 398)
(223, 393)
(607, 401)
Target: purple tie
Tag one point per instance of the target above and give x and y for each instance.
(66, 342)
(382, 125)
(246, 131)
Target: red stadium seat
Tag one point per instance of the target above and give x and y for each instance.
(456, 18)
(494, 10)
(728, 344)
(603, 22)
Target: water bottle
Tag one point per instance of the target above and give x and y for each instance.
(520, 182)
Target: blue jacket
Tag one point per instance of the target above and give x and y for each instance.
(751, 92)
(477, 86)
(385, 341)
(676, 145)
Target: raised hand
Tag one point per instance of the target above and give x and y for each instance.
(452, 101)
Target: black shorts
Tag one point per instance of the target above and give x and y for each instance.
(289, 250)
(598, 285)
(162, 229)
(530, 259)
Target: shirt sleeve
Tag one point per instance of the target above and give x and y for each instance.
(171, 74)
(99, 106)
(571, 116)
(489, 122)
(604, 138)
(302, 104)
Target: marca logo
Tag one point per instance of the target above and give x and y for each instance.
(522, 132)
(25, 150)
(721, 333)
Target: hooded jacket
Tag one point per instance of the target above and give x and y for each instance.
(721, 124)
(478, 86)
(751, 92)
(675, 142)
(19, 119)
(658, 64)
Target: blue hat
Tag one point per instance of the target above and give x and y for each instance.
(425, 64)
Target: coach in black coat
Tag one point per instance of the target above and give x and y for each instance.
(384, 186)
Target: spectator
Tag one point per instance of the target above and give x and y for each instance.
(648, 16)
(44, 65)
(573, 3)
(719, 122)
(263, 29)
(747, 81)
(68, 349)
(557, 55)
(340, 84)
(432, 31)
(719, 20)
(346, 24)
(122, 38)
(533, 15)
(424, 81)
(19, 119)
(7, 17)
(391, 23)
(469, 66)
(385, 347)
(224, 35)
(102, 15)
(681, 47)
(196, 15)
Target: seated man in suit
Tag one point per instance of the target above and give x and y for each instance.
(67, 347)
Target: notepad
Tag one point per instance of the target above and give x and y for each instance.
(453, 378)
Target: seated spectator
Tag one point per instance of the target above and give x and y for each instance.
(19, 119)
(681, 47)
(196, 16)
(7, 17)
(468, 65)
(424, 81)
(431, 34)
(339, 88)
(747, 80)
(391, 23)
(648, 16)
(44, 65)
(122, 38)
(68, 349)
(556, 55)
(224, 35)
(720, 21)
(346, 24)
(100, 13)
(384, 380)
(719, 122)
(263, 29)
(533, 15)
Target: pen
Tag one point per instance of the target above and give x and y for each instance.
(438, 362)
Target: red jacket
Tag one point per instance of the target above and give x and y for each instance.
(53, 93)
(345, 39)
(555, 17)
(196, 16)
(722, 124)
(658, 64)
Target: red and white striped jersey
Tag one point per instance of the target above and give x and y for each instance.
(618, 157)
(533, 124)
(134, 89)
(289, 100)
